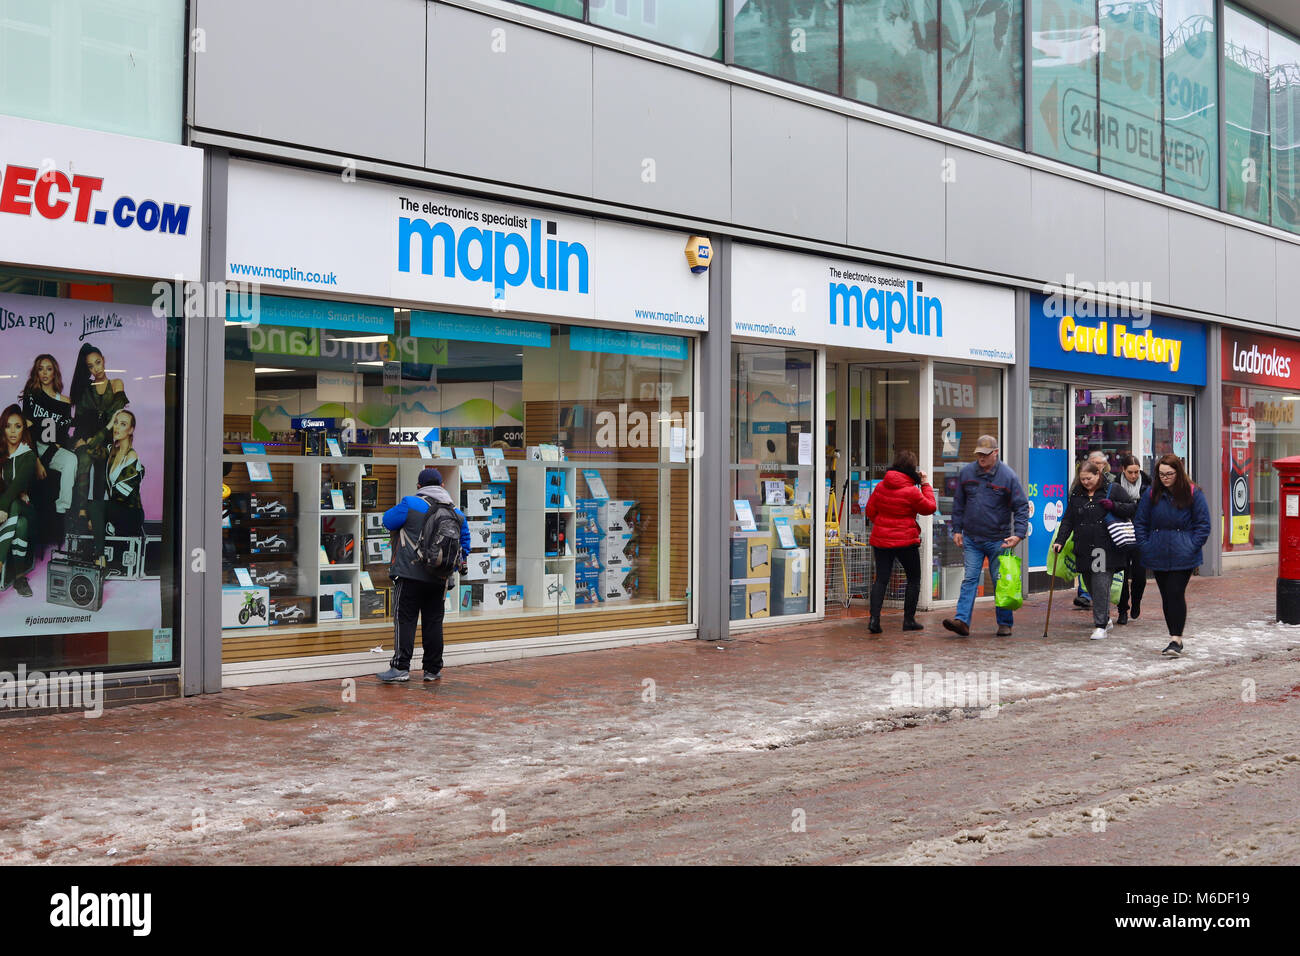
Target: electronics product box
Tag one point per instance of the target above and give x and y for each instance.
(340, 547)
(588, 519)
(497, 546)
(751, 555)
(782, 605)
(478, 503)
(557, 489)
(502, 598)
(263, 506)
(273, 576)
(499, 519)
(789, 574)
(379, 551)
(335, 602)
(738, 601)
(375, 523)
(266, 539)
(618, 551)
(480, 535)
(617, 516)
(757, 599)
(554, 591)
(369, 492)
(294, 609)
(497, 569)
(466, 598)
(617, 586)
(373, 605)
(588, 592)
(348, 490)
(245, 607)
(478, 565)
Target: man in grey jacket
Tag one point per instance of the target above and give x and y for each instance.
(416, 595)
(989, 502)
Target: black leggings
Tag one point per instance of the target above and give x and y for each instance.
(910, 559)
(1173, 595)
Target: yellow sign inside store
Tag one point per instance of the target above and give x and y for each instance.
(1241, 529)
(1118, 342)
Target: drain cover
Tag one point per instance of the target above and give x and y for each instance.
(274, 716)
(317, 709)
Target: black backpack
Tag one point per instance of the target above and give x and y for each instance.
(436, 549)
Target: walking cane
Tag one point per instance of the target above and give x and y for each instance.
(1051, 589)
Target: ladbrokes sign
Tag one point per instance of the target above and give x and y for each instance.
(1260, 359)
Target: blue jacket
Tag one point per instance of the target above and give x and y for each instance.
(1171, 538)
(986, 502)
(409, 514)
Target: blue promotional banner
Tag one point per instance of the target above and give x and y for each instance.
(317, 314)
(1048, 484)
(618, 342)
(480, 328)
(1155, 348)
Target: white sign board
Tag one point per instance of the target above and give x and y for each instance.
(813, 300)
(85, 201)
(304, 230)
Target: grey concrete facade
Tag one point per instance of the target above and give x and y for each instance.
(490, 97)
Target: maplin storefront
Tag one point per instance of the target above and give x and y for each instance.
(545, 362)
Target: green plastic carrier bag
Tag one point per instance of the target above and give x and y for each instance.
(1062, 565)
(1116, 587)
(1008, 591)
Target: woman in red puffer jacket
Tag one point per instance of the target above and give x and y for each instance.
(892, 508)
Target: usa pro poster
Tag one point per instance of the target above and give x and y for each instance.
(82, 426)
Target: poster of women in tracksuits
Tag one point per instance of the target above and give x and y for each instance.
(82, 405)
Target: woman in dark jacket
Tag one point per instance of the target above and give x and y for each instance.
(1172, 526)
(892, 508)
(1135, 483)
(1095, 553)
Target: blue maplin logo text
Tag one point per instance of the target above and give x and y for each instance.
(887, 310)
(480, 255)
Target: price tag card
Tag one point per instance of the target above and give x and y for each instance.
(595, 483)
(677, 445)
(253, 448)
(243, 577)
(336, 500)
(784, 533)
(496, 464)
(425, 450)
(805, 448)
(745, 515)
(335, 450)
(258, 470)
(366, 583)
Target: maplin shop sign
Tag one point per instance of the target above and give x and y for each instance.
(1155, 347)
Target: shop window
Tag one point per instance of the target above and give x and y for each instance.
(1063, 80)
(1284, 138)
(967, 404)
(565, 8)
(1049, 475)
(117, 67)
(1259, 427)
(1167, 428)
(983, 60)
(1191, 113)
(568, 449)
(88, 476)
(772, 444)
(891, 55)
(1129, 128)
(1246, 126)
(691, 25)
(795, 41)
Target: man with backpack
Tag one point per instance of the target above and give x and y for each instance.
(431, 539)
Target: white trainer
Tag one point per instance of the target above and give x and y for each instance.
(1098, 634)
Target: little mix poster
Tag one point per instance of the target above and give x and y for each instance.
(82, 408)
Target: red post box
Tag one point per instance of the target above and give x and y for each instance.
(1288, 550)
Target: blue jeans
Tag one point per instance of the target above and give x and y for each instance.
(975, 552)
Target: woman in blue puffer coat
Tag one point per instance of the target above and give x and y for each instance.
(1172, 526)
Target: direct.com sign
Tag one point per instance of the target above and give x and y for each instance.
(84, 201)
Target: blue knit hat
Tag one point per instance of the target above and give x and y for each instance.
(430, 476)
